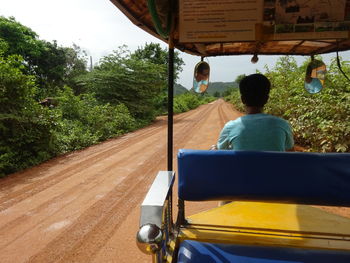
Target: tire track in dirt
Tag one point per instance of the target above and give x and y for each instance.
(33, 172)
(89, 198)
(222, 115)
(77, 186)
(75, 191)
(34, 188)
(82, 240)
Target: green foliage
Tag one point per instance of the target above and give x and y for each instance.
(3, 47)
(25, 127)
(31, 134)
(21, 40)
(189, 101)
(155, 54)
(51, 65)
(239, 78)
(179, 89)
(84, 121)
(230, 91)
(232, 95)
(75, 67)
(216, 94)
(221, 87)
(320, 121)
(125, 92)
(122, 79)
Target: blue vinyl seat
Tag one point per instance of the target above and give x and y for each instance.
(287, 177)
(293, 177)
(200, 252)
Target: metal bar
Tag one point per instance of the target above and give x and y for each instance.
(171, 209)
(170, 104)
(154, 203)
(180, 213)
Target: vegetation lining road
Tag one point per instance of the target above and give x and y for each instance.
(51, 102)
(78, 106)
(320, 122)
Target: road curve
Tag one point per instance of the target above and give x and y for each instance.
(84, 206)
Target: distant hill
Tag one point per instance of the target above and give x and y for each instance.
(220, 87)
(179, 89)
(213, 88)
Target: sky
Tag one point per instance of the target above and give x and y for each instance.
(98, 27)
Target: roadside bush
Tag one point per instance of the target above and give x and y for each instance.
(123, 93)
(320, 121)
(25, 127)
(235, 98)
(122, 78)
(85, 122)
(189, 100)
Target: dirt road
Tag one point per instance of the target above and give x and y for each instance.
(84, 207)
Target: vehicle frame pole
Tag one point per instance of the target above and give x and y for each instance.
(170, 103)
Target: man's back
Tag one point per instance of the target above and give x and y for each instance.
(256, 132)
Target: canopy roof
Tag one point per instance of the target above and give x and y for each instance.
(293, 43)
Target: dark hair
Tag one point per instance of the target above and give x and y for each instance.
(254, 90)
(202, 66)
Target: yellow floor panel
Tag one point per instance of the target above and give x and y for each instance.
(288, 217)
(270, 224)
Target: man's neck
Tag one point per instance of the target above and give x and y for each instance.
(253, 110)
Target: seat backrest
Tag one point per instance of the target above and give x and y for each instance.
(292, 177)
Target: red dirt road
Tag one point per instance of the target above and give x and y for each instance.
(84, 206)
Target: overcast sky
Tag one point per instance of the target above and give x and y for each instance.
(98, 27)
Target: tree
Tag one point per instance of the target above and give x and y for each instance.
(239, 78)
(21, 40)
(121, 78)
(75, 67)
(49, 68)
(216, 94)
(3, 47)
(155, 54)
(319, 121)
(50, 64)
(25, 127)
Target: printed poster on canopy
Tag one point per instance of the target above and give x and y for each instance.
(219, 20)
(306, 19)
(237, 20)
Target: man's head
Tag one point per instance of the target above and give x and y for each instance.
(202, 71)
(254, 90)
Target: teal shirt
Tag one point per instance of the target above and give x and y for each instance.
(256, 132)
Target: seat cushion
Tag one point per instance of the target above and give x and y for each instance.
(200, 252)
(302, 178)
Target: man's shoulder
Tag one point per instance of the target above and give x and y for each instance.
(258, 118)
(280, 122)
(232, 125)
(275, 118)
(233, 122)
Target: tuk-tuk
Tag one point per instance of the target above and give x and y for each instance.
(270, 216)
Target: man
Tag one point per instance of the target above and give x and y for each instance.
(201, 77)
(256, 131)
